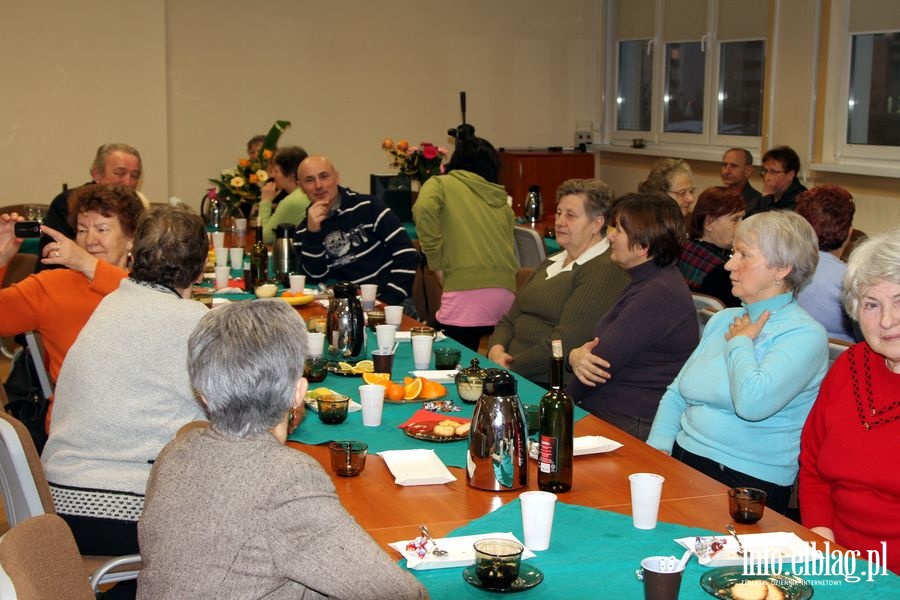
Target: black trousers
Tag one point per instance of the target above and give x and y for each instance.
(778, 495)
(469, 337)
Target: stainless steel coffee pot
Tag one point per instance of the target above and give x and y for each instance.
(497, 458)
(533, 208)
(345, 327)
(284, 259)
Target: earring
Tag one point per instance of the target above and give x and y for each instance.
(777, 283)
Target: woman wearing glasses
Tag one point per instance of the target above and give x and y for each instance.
(671, 176)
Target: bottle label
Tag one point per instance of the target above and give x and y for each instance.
(548, 455)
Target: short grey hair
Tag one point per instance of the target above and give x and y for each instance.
(786, 240)
(245, 359)
(597, 195)
(660, 176)
(874, 260)
(105, 150)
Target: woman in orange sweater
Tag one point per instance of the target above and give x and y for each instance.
(58, 302)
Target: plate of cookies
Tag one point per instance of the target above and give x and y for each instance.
(446, 430)
(730, 582)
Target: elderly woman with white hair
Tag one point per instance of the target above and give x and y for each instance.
(231, 512)
(736, 409)
(851, 439)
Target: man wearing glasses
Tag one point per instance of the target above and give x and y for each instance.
(781, 187)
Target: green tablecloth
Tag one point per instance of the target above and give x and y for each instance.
(594, 554)
(388, 436)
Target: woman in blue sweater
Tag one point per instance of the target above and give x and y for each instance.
(736, 409)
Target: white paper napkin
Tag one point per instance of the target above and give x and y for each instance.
(405, 336)
(460, 552)
(416, 467)
(582, 445)
(448, 376)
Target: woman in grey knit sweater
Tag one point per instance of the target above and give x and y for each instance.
(567, 293)
(231, 512)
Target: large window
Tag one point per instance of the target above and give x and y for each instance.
(873, 110)
(687, 71)
(860, 114)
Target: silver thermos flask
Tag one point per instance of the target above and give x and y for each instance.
(345, 327)
(284, 260)
(497, 457)
(533, 206)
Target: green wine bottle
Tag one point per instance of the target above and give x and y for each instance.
(259, 260)
(556, 431)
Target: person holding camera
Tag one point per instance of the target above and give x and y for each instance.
(57, 303)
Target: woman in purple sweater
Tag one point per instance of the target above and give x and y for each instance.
(643, 340)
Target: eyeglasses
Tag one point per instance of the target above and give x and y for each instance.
(684, 192)
(764, 171)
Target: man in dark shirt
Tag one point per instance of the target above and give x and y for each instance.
(352, 237)
(114, 164)
(736, 170)
(780, 166)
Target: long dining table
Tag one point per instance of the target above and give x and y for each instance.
(595, 548)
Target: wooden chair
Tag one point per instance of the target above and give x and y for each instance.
(39, 560)
(26, 494)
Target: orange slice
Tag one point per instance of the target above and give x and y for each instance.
(413, 389)
(432, 390)
(377, 378)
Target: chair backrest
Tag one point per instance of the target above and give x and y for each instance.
(35, 345)
(39, 560)
(835, 348)
(23, 483)
(702, 301)
(21, 266)
(396, 193)
(427, 290)
(530, 248)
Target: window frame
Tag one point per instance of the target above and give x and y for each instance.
(837, 154)
(708, 145)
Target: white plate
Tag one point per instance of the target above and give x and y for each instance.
(582, 445)
(405, 336)
(416, 467)
(765, 547)
(460, 552)
(448, 376)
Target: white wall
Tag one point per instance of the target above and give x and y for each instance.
(76, 75)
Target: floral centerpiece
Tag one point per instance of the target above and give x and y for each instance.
(417, 162)
(243, 182)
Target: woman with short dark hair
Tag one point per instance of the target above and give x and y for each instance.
(58, 302)
(711, 227)
(283, 179)
(124, 390)
(829, 209)
(465, 227)
(640, 344)
(269, 523)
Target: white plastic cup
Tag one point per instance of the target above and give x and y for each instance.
(221, 257)
(297, 283)
(222, 275)
(368, 292)
(393, 315)
(385, 334)
(421, 345)
(372, 399)
(315, 344)
(237, 258)
(218, 239)
(537, 518)
(646, 490)
(240, 225)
